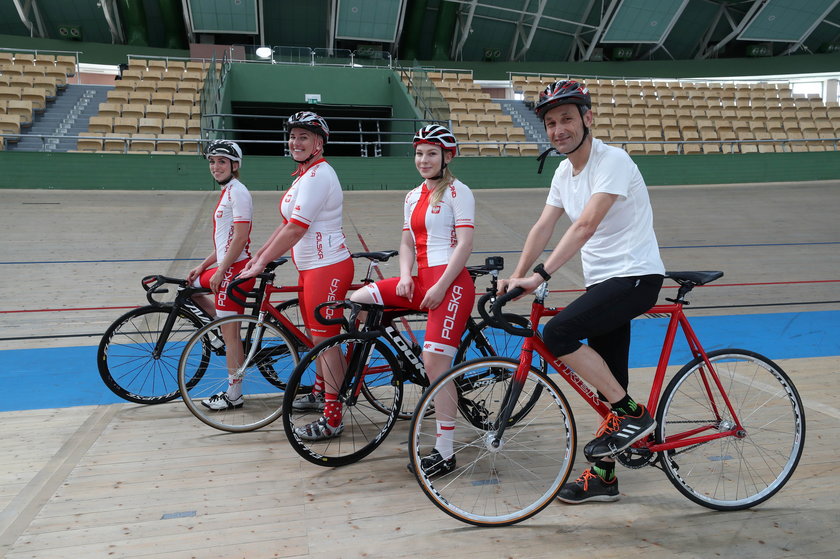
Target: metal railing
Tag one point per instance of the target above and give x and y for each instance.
(726, 146)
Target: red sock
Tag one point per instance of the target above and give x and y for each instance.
(332, 410)
(318, 387)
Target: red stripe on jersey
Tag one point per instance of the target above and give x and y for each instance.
(418, 227)
(299, 222)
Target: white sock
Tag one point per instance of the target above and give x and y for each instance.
(234, 389)
(445, 436)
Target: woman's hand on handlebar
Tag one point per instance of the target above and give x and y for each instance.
(252, 269)
(193, 274)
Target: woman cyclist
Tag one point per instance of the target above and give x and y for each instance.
(311, 211)
(438, 235)
(232, 220)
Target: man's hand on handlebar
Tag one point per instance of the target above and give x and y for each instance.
(528, 284)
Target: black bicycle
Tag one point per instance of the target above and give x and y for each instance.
(383, 376)
(138, 354)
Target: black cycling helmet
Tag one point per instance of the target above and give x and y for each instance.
(224, 148)
(309, 121)
(437, 135)
(563, 92)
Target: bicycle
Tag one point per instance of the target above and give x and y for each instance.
(381, 366)
(730, 424)
(273, 342)
(138, 355)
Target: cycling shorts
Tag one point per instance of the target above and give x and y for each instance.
(447, 322)
(319, 285)
(225, 305)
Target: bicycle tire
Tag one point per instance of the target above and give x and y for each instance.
(497, 486)
(733, 473)
(365, 426)
(126, 355)
(263, 383)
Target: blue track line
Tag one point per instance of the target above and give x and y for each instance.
(68, 376)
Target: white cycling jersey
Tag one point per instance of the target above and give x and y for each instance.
(234, 206)
(315, 201)
(433, 228)
(624, 244)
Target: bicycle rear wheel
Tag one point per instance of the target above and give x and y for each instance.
(504, 484)
(266, 372)
(732, 473)
(128, 363)
(368, 413)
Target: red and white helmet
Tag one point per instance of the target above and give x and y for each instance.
(309, 121)
(437, 135)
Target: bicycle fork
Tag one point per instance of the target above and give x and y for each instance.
(512, 394)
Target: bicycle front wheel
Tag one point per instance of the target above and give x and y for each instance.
(129, 361)
(505, 481)
(270, 357)
(735, 472)
(370, 405)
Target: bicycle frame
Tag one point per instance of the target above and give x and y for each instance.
(677, 320)
(183, 299)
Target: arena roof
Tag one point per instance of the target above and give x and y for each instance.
(463, 30)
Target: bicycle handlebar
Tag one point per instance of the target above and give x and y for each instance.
(499, 319)
(337, 305)
(234, 291)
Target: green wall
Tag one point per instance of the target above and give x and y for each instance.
(376, 87)
(184, 172)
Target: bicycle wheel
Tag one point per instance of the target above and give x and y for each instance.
(266, 370)
(504, 484)
(732, 473)
(129, 364)
(365, 425)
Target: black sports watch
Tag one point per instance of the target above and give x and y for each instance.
(540, 269)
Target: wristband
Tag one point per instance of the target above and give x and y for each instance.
(540, 269)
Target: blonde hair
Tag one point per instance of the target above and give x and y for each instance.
(447, 179)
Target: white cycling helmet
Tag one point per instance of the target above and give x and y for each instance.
(309, 121)
(224, 148)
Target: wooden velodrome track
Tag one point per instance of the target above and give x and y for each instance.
(125, 480)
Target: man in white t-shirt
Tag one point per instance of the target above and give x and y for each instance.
(601, 190)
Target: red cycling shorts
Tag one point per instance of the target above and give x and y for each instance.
(319, 285)
(225, 306)
(447, 322)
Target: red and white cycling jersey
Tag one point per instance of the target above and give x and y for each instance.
(433, 228)
(315, 202)
(234, 206)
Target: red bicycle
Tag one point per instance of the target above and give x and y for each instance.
(730, 423)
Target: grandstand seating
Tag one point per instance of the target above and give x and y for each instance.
(153, 108)
(735, 117)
